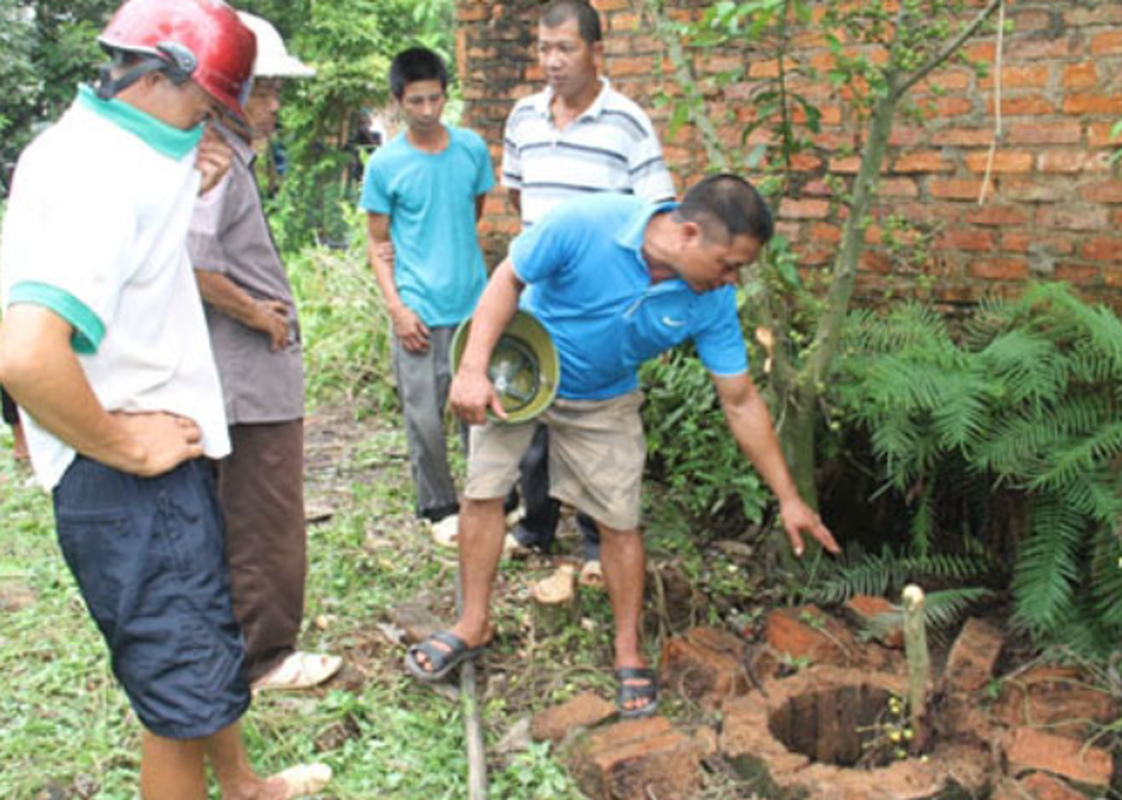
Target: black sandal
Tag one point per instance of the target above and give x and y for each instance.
(440, 661)
(630, 692)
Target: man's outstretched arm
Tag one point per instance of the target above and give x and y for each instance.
(750, 422)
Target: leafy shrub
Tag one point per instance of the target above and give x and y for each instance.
(345, 329)
(689, 446)
(1030, 400)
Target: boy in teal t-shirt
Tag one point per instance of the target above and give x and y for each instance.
(424, 191)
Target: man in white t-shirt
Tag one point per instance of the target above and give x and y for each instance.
(576, 138)
(105, 346)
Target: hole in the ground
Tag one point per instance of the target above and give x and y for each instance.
(848, 726)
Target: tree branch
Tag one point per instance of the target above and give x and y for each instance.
(949, 50)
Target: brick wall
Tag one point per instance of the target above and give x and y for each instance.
(1054, 209)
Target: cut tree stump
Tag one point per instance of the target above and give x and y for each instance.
(555, 600)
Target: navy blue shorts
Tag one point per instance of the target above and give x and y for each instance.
(149, 558)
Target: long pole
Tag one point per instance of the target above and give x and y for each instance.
(473, 721)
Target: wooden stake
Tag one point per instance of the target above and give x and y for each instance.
(555, 601)
(473, 721)
(919, 664)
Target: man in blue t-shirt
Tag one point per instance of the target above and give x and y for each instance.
(424, 191)
(616, 282)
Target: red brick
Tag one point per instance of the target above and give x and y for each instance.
(907, 137)
(1102, 249)
(1079, 104)
(1041, 786)
(957, 189)
(922, 161)
(1101, 134)
(808, 633)
(1034, 191)
(866, 608)
(631, 66)
(1073, 217)
(1073, 161)
(971, 660)
(947, 107)
(1108, 43)
(704, 665)
(1081, 76)
(973, 240)
(1025, 21)
(1028, 749)
(898, 187)
(1004, 161)
(1102, 192)
(1034, 76)
(1030, 49)
(638, 759)
(997, 216)
(1027, 105)
(804, 209)
(1045, 133)
(964, 137)
(583, 711)
(821, 232)
(1000, 269)
(849, 165)
(1077, 274)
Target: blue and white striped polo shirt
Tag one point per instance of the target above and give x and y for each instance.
(611, 147)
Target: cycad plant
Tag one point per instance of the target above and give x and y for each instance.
(1028, 399)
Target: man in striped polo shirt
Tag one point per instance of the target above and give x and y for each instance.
(576, 137)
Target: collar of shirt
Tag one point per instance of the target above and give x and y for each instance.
(543, 101)
(175, 143)
(243, 150)
(631, 237)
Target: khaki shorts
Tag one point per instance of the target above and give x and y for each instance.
(596, 455)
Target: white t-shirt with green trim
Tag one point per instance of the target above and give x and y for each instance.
(96, 231)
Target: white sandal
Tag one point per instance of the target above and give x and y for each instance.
(299, 671)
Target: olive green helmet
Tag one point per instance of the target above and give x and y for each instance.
(524, 368)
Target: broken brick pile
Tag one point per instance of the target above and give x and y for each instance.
(1022, 735)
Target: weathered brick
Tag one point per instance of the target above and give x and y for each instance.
(1004, 161)
(972, 240)
(975, 651)
(705, 665)
(1029, 749)
(922, 161)
(948, 107)
(1077, 274)
(1041, 786)
(1032, 76)
(583, 711)
(1025, 105)
(898, 187)
(1107, 43)
(1073, 161)
(1067, 132)
(866, 608)
(804, 209)
(957, 189)
(964, 137)
(808, 633)
(1103, 14)
(997, 216)
(1000, 269)
(1073, 217)
(1101, 134)
(1080, 104)
(638, 759)
(1081, 76)
(1102, 192)
(1102, 249)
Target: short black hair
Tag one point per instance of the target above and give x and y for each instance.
(726, 205)
(559, 12)
(416, 64)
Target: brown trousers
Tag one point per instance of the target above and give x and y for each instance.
(261, 488)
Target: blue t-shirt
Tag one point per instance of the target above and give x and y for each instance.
(430, 200)
(593, 293)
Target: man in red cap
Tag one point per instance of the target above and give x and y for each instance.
(105, 346)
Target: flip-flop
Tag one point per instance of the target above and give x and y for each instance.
(299, 671)
(442, 661)
(630, 692)
(304, 779)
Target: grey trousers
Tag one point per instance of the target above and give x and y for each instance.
(423, 381)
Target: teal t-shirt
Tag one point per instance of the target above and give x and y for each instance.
(430, 200)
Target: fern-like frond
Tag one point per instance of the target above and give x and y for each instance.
(1048, 568)
(1079, 457)
(1106, 576)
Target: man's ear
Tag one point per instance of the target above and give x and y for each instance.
(690, 233)
(598, 56)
